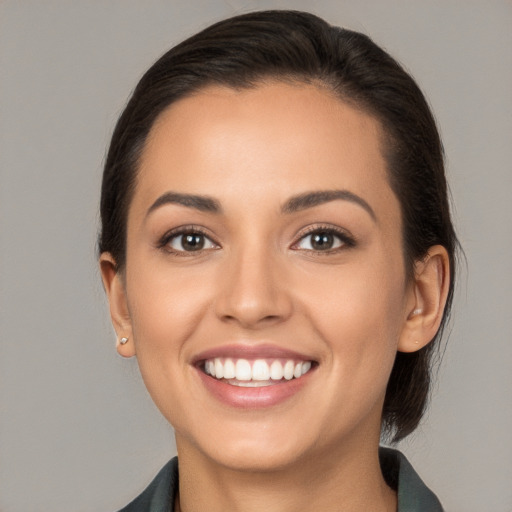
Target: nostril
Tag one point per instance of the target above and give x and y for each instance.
(252, 321)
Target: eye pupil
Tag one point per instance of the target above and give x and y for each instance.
(192, 242)
(322, 241)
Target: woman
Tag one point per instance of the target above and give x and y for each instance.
(278, 253)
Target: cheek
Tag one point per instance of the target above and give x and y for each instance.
(359, 325)
(163, 300)
(359, 314)
(165, 310)
(166, 306)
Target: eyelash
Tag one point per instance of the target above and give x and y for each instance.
(346, 240)
(184, 230)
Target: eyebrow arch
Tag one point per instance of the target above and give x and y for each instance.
(311, 199)
(198, 202)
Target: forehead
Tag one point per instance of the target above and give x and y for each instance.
(277, 137)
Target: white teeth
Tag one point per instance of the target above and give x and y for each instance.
(251, 383)
(246, 373)
(243, 370)
(260, 370)
(229, 369)
(288, 370)
(306, 367)
(276, 370)
(219, 369)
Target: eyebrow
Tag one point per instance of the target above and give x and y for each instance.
(294, 204)
(198, 202)
(311, 199)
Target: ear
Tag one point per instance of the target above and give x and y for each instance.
(427, 300)
(119, 312)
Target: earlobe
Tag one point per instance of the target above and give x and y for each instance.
(119, 312)
(429, 292)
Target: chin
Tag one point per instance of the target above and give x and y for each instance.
(260, 447)
(257, 457)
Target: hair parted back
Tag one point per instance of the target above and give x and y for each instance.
(299, 47)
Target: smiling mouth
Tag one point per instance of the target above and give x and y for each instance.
(255, 373)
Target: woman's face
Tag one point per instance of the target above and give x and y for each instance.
(264, 241)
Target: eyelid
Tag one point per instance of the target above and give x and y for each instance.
(163, 242)
(347, 239)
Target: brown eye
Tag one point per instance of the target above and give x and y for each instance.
(322, 241)
(190, 242)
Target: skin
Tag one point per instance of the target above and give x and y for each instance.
(258, 281)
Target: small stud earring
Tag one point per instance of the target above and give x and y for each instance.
(417, 311)
(123, 341)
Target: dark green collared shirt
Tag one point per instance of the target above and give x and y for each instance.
(413, 494)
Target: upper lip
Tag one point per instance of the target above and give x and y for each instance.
(242, 351)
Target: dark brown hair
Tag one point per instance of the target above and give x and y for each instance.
(294, 46)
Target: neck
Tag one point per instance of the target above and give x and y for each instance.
(349, 480)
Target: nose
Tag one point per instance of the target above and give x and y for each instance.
(252, 290)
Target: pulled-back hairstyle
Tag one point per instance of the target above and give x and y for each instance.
(298, 47)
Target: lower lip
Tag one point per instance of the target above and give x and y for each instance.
(253, 398)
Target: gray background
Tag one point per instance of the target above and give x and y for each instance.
(77, 429)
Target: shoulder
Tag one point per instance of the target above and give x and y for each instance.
(413, 494)
(160, 493)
